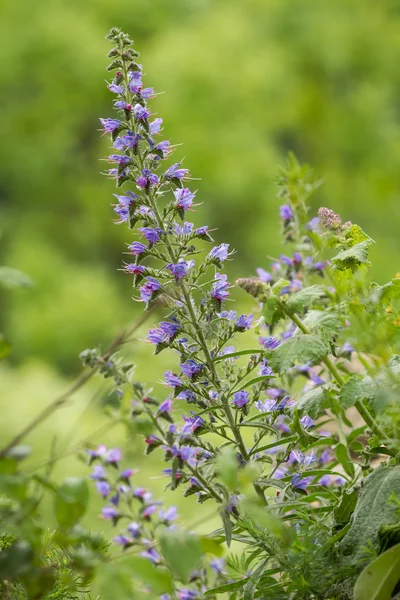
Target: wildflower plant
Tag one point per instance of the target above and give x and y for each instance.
(294, 442)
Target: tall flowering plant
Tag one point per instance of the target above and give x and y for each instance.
(267, 435)
(294, 443)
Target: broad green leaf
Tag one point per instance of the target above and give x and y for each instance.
(5, 347)
(12, 278)
(379, 390)
(113, 582)
(272, 311)
(379, 578)
(71, 501)
(342, 454)
(305, 298)
(323, 323)
(386, 293)
(182, 552)
(299, 348)
(373, 511)
(353, 257)
(158, 579)
(346, 506)
(211, 546)
(314, 402)
(355, 389)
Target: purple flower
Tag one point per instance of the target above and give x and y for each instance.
(187, 454)
(155, 126)
(147, 93)
(185, 229)
(232, 504)
(297, 258)
(219, 291)
(126, 474)
(187, 395)
(130, 140)
(99, 453)
(219, 254)
(172, 380)
(121, 159)
(98, 473)
(149, 289)
(325, 480)
(202, 232)
(134, 529)
(109, 512)
(152, 234)
(175, 172)
(110, 125)
(264, 275)
(116, 89)
(122, 540)
(228, 314)
(165, 333)
(340, 480)
(286, 212)
(134, 269)
(137, 248)
(265, 369)
(218, 565)
(149, 510)
(280, 473)
(113, 456)
(244, 322)
(152, 442)
(240, 399)
(313, 224)
(121, 105)
(184, 198)
(307, 422)
(299, 483)
(135, 84)
(164, 147)
(165, 407)
(181, 268)
(191, 369)
(147, 179)
(191, 425)
(270, 343)
(266, 405)
(103, 488)
(152, 555)
(141, 113)
(186, 594)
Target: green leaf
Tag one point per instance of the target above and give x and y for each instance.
(238, 353)
(305, 438)
(342, 454)
(353, 257)
(379, 578)
(211, 546)
(227, 465)
(227, 587)
(314, 402)
(373, 511)
(71, 501)
(182, 552)
(5, 347)
(355, 389)
(114, 582)
(158, 579)
(378, 390)
(227, 524)
(386, 293)
(346, 506)
(323, 323)
(299, 348)
(305, 298)
(12, 278)
(272, 311)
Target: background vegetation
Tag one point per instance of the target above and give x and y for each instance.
(245, 82)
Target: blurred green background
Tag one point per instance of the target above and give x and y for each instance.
(245, 81)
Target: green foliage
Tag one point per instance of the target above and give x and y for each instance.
(298, 349)
(373, 510)
(305, 298)
(380, 577)
(315, 401)
(181, 551)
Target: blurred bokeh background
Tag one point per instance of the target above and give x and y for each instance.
(244, 82)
